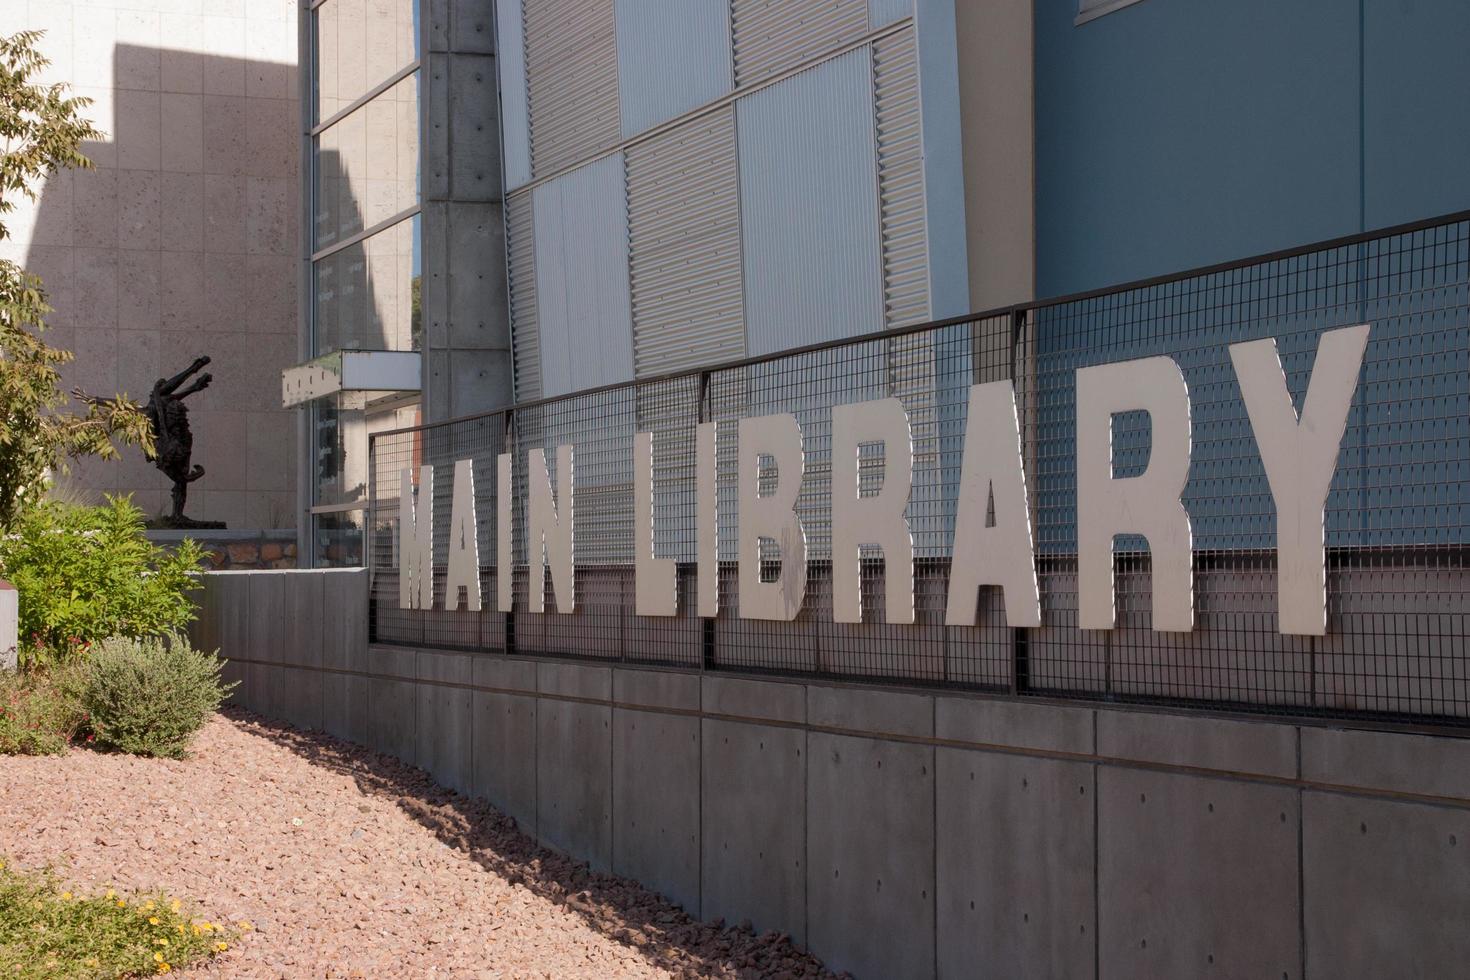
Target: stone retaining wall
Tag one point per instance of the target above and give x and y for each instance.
(238, 550)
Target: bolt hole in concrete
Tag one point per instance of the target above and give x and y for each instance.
(1210, 958)
(1025, 916)
(1363, 827)
(1212, 808)
(1453, 841)
(1142, 798)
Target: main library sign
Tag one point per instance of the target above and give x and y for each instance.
(993, 542)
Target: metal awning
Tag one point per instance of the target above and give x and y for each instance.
(351, 370)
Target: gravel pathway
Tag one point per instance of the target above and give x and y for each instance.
(351, 864)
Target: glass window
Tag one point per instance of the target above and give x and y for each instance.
(366, 296)
(337, 539)
(359, 44)
(366, 165)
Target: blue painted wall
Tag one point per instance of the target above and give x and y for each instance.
(1177, 133)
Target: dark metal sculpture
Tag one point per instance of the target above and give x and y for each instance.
(173, 442)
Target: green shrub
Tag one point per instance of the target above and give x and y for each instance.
(149, 695)
(39, 713)
(50, 934)
(86, 573)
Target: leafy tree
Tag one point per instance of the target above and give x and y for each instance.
(41, 131)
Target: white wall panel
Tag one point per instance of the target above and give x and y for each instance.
(572, 79)
(809, 207)
(582, 301)
(772, 36)
(684, 226)
(515, 120)
(673, 55)
(520, 250)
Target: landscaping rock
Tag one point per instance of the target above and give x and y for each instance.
(351, 864)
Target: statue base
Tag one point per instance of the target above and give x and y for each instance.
(164, 523)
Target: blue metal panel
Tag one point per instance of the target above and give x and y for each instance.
(582, 303)
(1177, 133)
(1416, 109)
(515, 131)
(673, 55)
(881, 13)
(809, 207)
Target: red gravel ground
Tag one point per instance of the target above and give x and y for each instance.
(351, 864)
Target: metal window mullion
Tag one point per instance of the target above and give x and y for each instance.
(366, 97)
(367, 232)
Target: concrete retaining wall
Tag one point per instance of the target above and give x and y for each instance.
(903, 834)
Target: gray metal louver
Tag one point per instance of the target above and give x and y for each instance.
(520, 247)
(901, 179)
(772, 36)
(684, 230)
(572, 79)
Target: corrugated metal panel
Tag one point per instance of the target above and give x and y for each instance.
(572, 78)
(772, 36)
(901, 179)
(673, 55)
(582, 301)
(809, 207)
(515, 120)
(881, 13)
(520, 249)
(684, 226)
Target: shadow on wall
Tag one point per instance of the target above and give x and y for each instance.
(620, 909)
(183, 241)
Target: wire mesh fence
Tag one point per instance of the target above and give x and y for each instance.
(1395, 517)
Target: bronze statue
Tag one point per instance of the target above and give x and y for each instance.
(173, 442)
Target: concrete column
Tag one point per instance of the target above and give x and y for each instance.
(467, 363)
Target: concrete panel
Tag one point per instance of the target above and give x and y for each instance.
(444, 718)
(574, 680)
(1196, 876)
(345, 707)
(505, 674)
(345, 611)
(474, 131)
(989, 721)
(656, 689)
(870, 852)
(1200, 743)
(753, 845)
(267, 631)
(1015, 865)
(574, 779)
(392, 704)
(503, 754)
(1425, 764)
(655, 785)
(301, 698)
(231, 598)
(765, 700)
(1386, 888)
(878, 712)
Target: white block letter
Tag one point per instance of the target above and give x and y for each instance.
(706, 521)
(773, 517)
(993, 468)
(416, 541)
(876, 520)
(655, 580)
(504, 552)
(1300, 456)
(463, 565)
(1148, 504)
(550, 537)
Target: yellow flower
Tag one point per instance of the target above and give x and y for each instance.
(161, 941)
(158, 957)
(153, 920)
(66, 896)
(174, 905)
(221, 946)
(148, 905)
(111, 893)
(246, 925)
(180, 927)
(164, 968)
(122, 903)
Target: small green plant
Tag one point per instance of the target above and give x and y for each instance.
(39, 713)
(149, 695)
(85, 573)
(48, 933)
